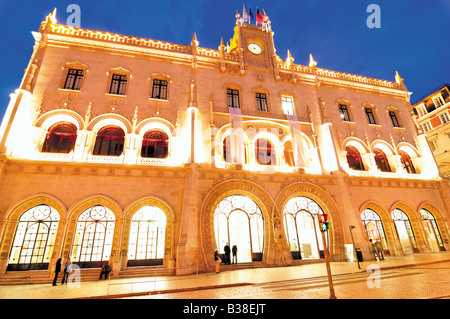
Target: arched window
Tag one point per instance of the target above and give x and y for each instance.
(404, 231)
(381, 160)
(109, 141)
(374, 226)
(354, 158)
(147, 237)
(302, 228)
(407, 162)
(34, 239)
(265, 152)
(155, 144)
(227, 153)
(60, 139)
(93, 238)
(239, 221)
(432, 233)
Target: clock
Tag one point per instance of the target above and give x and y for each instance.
(254, 48)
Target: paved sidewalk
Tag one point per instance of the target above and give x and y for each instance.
(150, 285)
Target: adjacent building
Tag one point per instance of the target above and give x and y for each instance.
(432, 115)
(142, 152)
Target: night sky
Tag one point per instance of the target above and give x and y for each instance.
(413, 38)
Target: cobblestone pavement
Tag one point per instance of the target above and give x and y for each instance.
(419, 282)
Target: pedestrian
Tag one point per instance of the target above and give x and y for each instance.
(217, 261)
(106, 269)
(379, 248)
(57, 270)
(66, 272)
(234, 251)
(374, 249)
(227, 251)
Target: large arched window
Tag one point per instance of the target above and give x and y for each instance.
(302, 228)
(404, 231)
(354, 158)
(381, 160)
(34, 239)
(265, 152)
(227, 153)
(374, 226)
(147, 237)
(432, 233)
(155, 144)
(93, 238)
(239, 221)
(109, 141)
(60, 139)
(407, 163)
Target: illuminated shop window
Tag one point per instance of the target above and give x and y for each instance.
(265, 152)
(381, 160)
(227, 152)
(407, 163)
(34, 239)
(239, 221)
(432, 233)
(93, 237)
(155, 144)
(147, 237)
(109, 141)
(60, 139)
(404, 231)
(302, 228)
(354, 158)
(374, 227)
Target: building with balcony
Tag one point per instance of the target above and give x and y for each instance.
(432, 117)
(142, 152)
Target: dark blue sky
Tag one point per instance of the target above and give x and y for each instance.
(413, 38)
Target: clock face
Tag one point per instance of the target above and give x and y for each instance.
(254, 48)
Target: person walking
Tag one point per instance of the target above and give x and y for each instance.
(227, 251)
(217, 261)
(57, 271)
(374, 249)
(379, 248)
(66, 272)
(234, 251)
(106, 269)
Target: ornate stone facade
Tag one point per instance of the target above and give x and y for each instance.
(196, 163)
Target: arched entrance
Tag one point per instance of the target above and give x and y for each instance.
(239, 221)
(374, 227)
(301, 226)
(404, 231)
(93, 237)
(34, 239)
(432, 233)
(147, 237)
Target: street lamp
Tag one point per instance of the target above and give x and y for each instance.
(354, 247)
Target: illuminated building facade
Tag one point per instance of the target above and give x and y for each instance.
(432, 116)
(141, 153)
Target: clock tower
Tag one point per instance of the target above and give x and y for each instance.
(254, 43)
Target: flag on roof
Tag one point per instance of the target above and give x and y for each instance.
(244, 14)
(250, 14)
(259, 17)
(265, 17)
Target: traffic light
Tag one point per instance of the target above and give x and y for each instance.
(323, 222)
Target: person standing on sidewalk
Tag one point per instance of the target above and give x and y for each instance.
(374, 249)
(57, 271)
(234, 251)
(379, 248)
(66, 272)
(217, 261)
